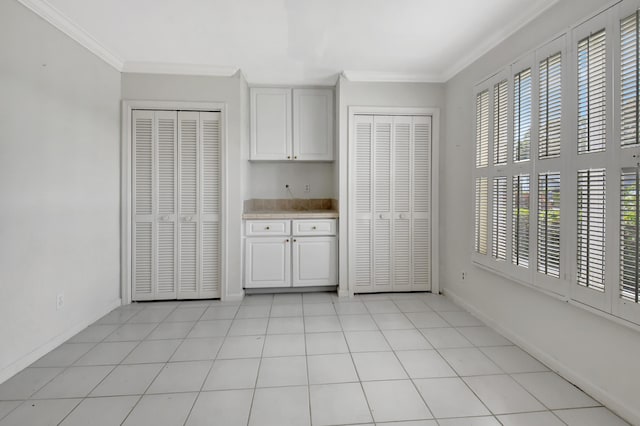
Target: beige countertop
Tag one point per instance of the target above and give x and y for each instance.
(291, 214)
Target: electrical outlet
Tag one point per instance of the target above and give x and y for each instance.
(59, 301)
(307, 187)
(464, 275)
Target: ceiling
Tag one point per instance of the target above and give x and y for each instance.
(292, 41)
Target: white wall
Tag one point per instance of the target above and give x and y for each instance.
(595, 353)
(268, 180)
(208, 89)
(420, 95)
(59, 180)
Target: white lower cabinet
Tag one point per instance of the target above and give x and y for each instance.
(306, 257)
(314, 261)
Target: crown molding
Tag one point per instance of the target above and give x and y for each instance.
(181, 69)
(491, 42)
(391, 77)
(56, 18)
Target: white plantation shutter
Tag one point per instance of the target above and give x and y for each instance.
(520, 220)
(550, 106)
(382, 202)
(592, 85)
(629, 81)
(211, 150)
(481, 205)
(421, 211)
(522, 115)
(500, 117)
(549, 224)
(499, 218)
(363, 199)
(482, 129)
(630, 234)
(591, 228)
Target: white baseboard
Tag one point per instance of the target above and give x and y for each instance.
(631, 414)
(25, 361)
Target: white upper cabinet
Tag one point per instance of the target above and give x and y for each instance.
(313, 124)
(291, 124)
(271, 124)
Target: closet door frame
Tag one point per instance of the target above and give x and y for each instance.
(347, 191)
(126, 202)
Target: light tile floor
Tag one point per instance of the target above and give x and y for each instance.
(294, 359)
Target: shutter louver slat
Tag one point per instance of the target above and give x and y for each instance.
(363, 194)
(210, 257)
(363, 167)
(481, 197)
(592, 93)
(166, 277)
(629, 81)
(421, 251)
(188, 166)
(382, 177)
(482, 129)
(210, 163)
(166, 165)
(499, 228)
(143, 150)
(402, 169)
(520, 221)
(143, 258)
(550, 107)
(630, 234)
(382, 253)
(549, 224)
(422, 167)
(591, 228)
(522, 116)
(363, 253)
(500, 132)
(188, 257)
(401, 252)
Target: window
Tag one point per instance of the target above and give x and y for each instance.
(629, 75)
(499, 218)
(550, 114)
(592, 84)
(500, 122)
(482, 125)
(520, 226)
(481, 197)
(522, 116)
(591, 228)
(629, 234)
(549, 224)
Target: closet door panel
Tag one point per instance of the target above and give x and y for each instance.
(363, 188)
(143, 279)
(401, 232)
(382, 189)
(188, 206)
(165, 165)
(211, 154)
(421, 209)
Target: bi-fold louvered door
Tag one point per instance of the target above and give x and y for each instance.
(176, 205)
(392, 181)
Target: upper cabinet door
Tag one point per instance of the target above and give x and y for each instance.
(271, 124)
(313, 124)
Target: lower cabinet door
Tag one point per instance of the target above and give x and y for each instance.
(314, 261)
(267, 262)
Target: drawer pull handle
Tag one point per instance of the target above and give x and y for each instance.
(267, 227)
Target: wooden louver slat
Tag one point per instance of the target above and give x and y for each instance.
(522, 116)
(520, 220)
(549, 224)
(482, 129)
(591, 228)
(550, 107)
(592, 91)
(481, 197)
(629, 81)
(499, 221)
(500, 117)
(630, 234)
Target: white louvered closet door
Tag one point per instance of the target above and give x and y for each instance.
(421, 204)
(176, 205)
(392, 203)
(382, 205)
(363, 184)
(154, 207)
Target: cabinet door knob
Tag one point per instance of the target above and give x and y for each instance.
(314, 227)
(288, 157)
(286, 241)
(295, 157)
(380, 216)
(267, 227)
(294, 240)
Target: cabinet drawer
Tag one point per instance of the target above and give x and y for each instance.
(267, 227)
(314, 227)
